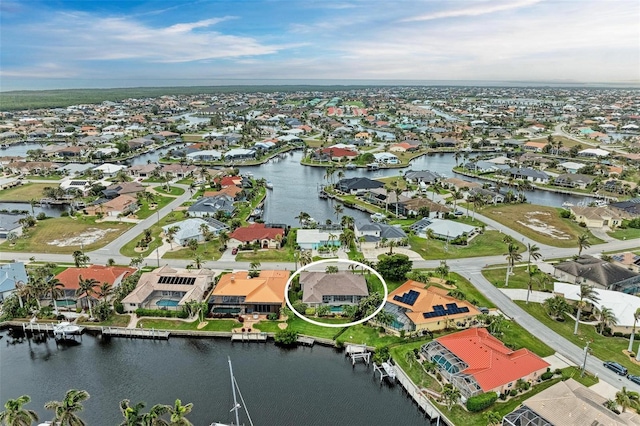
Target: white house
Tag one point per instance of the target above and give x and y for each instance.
(205, 155)
(312, 239)
(386, 158)
(593, 152)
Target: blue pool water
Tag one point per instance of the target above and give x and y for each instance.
(336, 309)
(167, 302)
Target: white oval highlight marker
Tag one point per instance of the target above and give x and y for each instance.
(347, 324)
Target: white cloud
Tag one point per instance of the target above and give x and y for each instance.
(476, 9)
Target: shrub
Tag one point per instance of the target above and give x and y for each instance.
(503, 396)
(482, 401)
(64, 214)
(557, 371)
(273, 316)
(41, 216)
(119, 307)
(286, 337)
(513, 392)
(565, 214)
(547, 375)
(617, 334)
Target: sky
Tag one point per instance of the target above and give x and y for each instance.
(123, 43)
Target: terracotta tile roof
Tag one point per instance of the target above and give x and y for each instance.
(339, 152)
(231, 191)
(256, 231)
(103, 274)
(230, 181)
(490, 362)
(268, 287)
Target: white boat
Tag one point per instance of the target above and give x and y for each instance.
(350, 166)
(236, 406)
(269, 185)
(567, 204)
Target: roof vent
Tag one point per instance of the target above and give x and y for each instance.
(233, 278)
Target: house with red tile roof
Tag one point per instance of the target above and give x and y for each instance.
(238, 293)
(257, 233)
(476, 362)
(534, 146)
(113, 275)
(337, 154)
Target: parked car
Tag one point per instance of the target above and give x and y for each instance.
(234, 250)
(634, 379)
(617, 368)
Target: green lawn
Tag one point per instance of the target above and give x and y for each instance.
(167, 324)
(519, 279)
(175, 190)
(512, 216)
(394, 182)
(145, 211)
(25, 193)
(303, 327)
(208, 250)
(367, 335)
(129, 248)
(489, 243)
(268, 326)
(272, 255)
(625, 234)
(353, 200)
(67, 230)
(48, 177)
(115, 321)
(604, 348)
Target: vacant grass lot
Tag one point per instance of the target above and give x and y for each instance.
(115, 321)
(174, 190)
(70, 229)
(274, 255)
(487, 244)
(519, 279)
(548, 217)
(145, 211)
(604, 348)
(208, 250)
(167, 324)
(26, 192)
(129, 248)
(366, 335)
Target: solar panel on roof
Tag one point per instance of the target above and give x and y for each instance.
(440, 311)
(164, 279)
(408, 298)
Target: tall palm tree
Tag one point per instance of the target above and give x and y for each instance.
(534, 253)
(305, 257)
(171, 233)
(223, 237)
(347, 222)
(15, 415)
(303, 217)
(255, 265)
(80, 259)
(636, 317)
(338, 209)
(627, 399)
(54, 289)
(154, 416)
(66, 411)
(104, 291)
(178, 413)
(583, 243)
(347, 238)
(451, 395)
(87, 288)
(607, 318)
(512, 257)
(587, 294)
(197, 260)
(132, 414)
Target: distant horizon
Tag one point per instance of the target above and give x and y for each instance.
(112, 84)
(67, 44)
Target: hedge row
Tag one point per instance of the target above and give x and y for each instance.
(161, 313)
(482, 401)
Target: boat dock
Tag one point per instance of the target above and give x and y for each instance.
(358, 353)
(306, 340)
(139, 333)
(249, 337)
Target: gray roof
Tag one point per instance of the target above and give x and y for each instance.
(596, 270)
(190, 228)
(349, 184)
(9, 222)
(10, 273)
(421, 175)
(213, 204)
(386, 231)
(536, 174)
(318, 284)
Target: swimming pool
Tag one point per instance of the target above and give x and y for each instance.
(167, 302)
(336, 309)
(65, 302)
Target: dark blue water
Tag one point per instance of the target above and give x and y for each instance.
(306, 386)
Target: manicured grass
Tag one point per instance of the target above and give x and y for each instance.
(625, 234)
(186, 181)
(489, 243)
(63, 228)
(604, 348)
(145, 211)
(268, 326)
(273, 255)
(370, 207)
(26, 192)
(511, 215)
(175, 190)
(367, 335)
(390, 181)
(129, 248)
(166, 324)
(472, 294)
(115, 321)
(208, 250)
(303, 327)
(48, 177)
(414, 370)
(519, 279)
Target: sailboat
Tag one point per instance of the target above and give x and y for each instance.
(236, 405)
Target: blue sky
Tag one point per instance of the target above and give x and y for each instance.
(56, 43)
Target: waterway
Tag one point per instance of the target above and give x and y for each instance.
(304, 386)
(49, 210)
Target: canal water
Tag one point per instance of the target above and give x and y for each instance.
(304, 386)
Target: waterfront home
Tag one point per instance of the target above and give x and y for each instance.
(443, 229)
(169, 288)
(194, 229)
(123, 188)
(388, 199)
(414, 205)
(417, 308)
(483, 167)
(535, 146)
(628, 260)
(571, 166)
(313, 239)
(403, 147)
(475, 362)
(573, 180)
(32, 167)
(9, 182)
(10, 224)
(596, 272)
(337, 289)
(210, 206)
(238, 293)
(205, 155)
(490, 197)
(178, 170)
(420, 176)
(631, 206)
(71, 151)
(531, 175)
(143, 170)
(240, 154)
(598, 217)
(108, 169)
(230, 191)
(121, 205)
(70, 278)
(11, 274)
(257, 233)
(357, 185)
(375, 232)
(334, 154)
(461, 184)
(593, 152)
(568, 403)
(385, 158)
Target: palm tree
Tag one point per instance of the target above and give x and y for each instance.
(451, 395)
(54, 289)
(87, 288)
(65, 411)
(305, 257)
(587, 293)
(534, 253)
(607, 318)
(636, 317)
(132, 414)
(338, 209)
(254, 266)
(583, 243)
(347, 238)
(80, 259)
(171, 233)
(104, 291)
(347, 222)
(398, 192)
(178, 413)
(223, 237)
(556, 306)
(154, 416)
(512, 257)
(197, 260)
(15, 415)
(627, 399)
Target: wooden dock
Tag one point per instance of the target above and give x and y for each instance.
(249, 337)
(137, 333)
(358, 353)
(306, 340)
